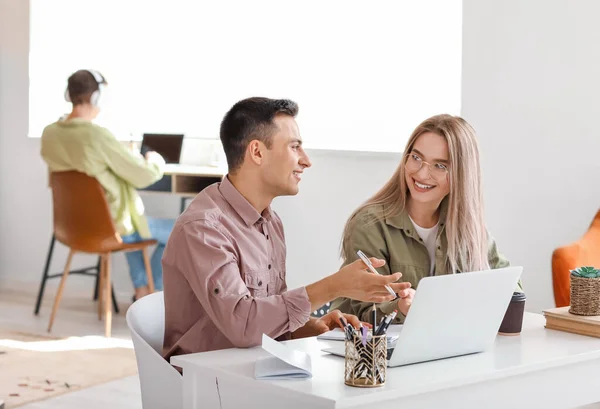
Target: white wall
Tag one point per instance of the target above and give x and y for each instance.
(529, 78)
(25, 201)
(531, 88)
(331, 189)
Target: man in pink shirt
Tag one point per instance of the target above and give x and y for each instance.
(224, 263)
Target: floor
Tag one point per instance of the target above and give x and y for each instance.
(77, 316)
(120, 394)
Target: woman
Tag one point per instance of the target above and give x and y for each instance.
(428, 218)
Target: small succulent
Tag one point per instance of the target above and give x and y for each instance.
(586, 272)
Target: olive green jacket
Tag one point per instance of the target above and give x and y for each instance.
(395, 240)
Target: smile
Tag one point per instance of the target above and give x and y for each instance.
(422, 186)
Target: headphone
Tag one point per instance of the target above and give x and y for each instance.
(95, 98)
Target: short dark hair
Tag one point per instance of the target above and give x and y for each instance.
(81, 85)
(250, 119)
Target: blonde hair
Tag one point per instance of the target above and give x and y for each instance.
(465, 226)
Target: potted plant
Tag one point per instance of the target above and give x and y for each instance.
(585, 291)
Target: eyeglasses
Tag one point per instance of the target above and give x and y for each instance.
(437, 170)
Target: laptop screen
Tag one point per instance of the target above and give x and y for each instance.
(168, 145)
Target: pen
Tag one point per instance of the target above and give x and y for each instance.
(366, 260)
(345, 327)
(374, 313)
(386, 323)
(348, 328)
(363, 333)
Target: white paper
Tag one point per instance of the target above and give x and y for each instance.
(336, 334)
(286, 362)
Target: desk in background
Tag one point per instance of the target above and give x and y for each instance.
(186, 180)
(541, 368)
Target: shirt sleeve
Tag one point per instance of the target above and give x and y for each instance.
(207, 259)
(135, 170)
(497, 259)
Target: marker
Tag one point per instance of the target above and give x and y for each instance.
(386, 323)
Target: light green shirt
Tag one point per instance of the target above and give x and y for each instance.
(80, 145)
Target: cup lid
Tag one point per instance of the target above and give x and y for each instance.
(518, 296)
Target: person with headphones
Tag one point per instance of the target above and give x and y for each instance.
(74, 142)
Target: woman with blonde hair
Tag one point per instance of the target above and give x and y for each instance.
(428, 218)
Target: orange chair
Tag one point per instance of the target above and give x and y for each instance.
(584, 252)
(82, 222)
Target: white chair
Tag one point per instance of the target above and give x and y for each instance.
(160, 383)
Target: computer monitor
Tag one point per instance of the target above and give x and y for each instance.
(168, 145)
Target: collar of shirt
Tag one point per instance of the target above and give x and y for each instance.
(242, 207)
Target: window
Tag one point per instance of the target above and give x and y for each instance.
(364, 73)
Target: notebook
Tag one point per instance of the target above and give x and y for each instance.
(338, 334)
(285, 362)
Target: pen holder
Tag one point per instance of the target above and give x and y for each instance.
(365, 365)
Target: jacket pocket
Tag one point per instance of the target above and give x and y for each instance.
(257, 282)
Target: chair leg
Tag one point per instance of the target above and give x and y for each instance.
(61, 287)
(114, 300)
(97, 285)
(97, 278)
(107, 298)
(148, 270)
(38, 303)
(101, 278)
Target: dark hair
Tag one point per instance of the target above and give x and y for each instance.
(250, 119)
(81, 85)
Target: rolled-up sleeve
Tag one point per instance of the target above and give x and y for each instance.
(135, 170)
(497, 260)
(368, 237)
(207, 258)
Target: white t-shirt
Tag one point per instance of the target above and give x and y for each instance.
(428, 236)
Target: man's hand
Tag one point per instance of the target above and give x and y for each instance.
(154, 157)
(326, 323)
(357, 282)
(406, 299)
(332, 320)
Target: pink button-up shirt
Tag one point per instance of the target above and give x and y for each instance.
(224, 276)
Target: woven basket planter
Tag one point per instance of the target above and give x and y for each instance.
(585, 296)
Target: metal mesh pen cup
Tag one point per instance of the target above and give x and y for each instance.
(365, 365)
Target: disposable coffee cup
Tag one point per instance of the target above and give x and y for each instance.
(513, 318)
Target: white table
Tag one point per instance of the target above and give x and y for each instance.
(540, 368)
(186, 181)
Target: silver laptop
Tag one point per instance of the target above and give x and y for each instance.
(452, 315)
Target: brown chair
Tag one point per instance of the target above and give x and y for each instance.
(82, 222)
(583, 252)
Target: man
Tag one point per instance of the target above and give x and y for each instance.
(224, 264)
(75, 143)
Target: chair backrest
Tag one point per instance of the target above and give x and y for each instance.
(583, 252)
(160, 383)
(82, 219)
